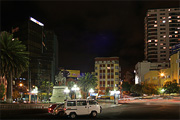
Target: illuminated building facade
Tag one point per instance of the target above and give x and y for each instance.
(144, 67)
(158, 77)
(42, 46)
(162, 31)
(107, 71)
(174, 61)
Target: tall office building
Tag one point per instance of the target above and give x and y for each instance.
(107, 71)
(42, 46)
(162, 31)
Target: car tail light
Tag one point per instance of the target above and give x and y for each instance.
(50, 109)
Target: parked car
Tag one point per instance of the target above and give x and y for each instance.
(75, 107)
(59, 110)
(51, 108)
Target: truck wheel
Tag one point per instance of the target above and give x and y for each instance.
(94, 114)
(72, 115)
(61, 114)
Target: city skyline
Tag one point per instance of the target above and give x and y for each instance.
(90, 29)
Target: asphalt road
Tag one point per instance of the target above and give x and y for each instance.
(125, 111)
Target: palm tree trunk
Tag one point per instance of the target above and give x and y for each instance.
(9, 88)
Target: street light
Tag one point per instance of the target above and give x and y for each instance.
(66, 90)
(35, 91)
(115, 93)
(75, 88)
(91, 91)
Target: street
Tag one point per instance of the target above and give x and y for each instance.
(146, 110)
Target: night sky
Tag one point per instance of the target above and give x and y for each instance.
(89, 29)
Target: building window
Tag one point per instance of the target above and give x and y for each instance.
(176, 35)
(155, 25)
(96, 73)
(116, 67)
(170, 36)
(156, 40)
(164, 36)
(163, 17)
(169, 17)
(164, 21)
(176, 32)
(149, 40)
(164, 47)
(116, 73)
(170, 20)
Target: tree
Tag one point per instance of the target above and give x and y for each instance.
(107, 91)
(149, 89)
(2, 91)
(46, 87)
(86, 82)
(171, 87)
(126, 86)
(16, 94)
(136, 89)
(14, 60)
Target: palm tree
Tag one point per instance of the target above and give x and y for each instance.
(13, 60)
(87, 81)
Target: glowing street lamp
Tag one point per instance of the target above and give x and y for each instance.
(162, 74)
(114, 93)
(91, 91)
(20, 84)
(66, 90)
(75, 88)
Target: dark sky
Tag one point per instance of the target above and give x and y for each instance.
(89, 29)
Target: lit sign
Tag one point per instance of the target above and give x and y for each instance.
(37, 22)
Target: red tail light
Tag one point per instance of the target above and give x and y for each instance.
(50, 109)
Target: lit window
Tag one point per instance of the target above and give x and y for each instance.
(178, 39)
(170, 47)
(161, 43)
(164, 21)
(170, 35)
(178, 16)
(176, 35)
(163, 17)
(169, 9)
(156, 40)
(178, 20)
(155, 44)
(169, 17)
(108, 67)
(155, 25)
(170, 20)
(178, 28)
(149, 40)
(147, 14)
(164, 47)
(155, 21)
(164, 36)
(176, 32)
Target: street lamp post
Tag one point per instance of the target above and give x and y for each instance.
(75, 88)
(91, 91)
(115, 93)
(35, 91)
(66, 90)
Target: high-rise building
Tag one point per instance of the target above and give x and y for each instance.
(162, 31)
(42, 46)
(107, 71)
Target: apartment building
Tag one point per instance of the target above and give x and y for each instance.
(108, 73)
(162, 31)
